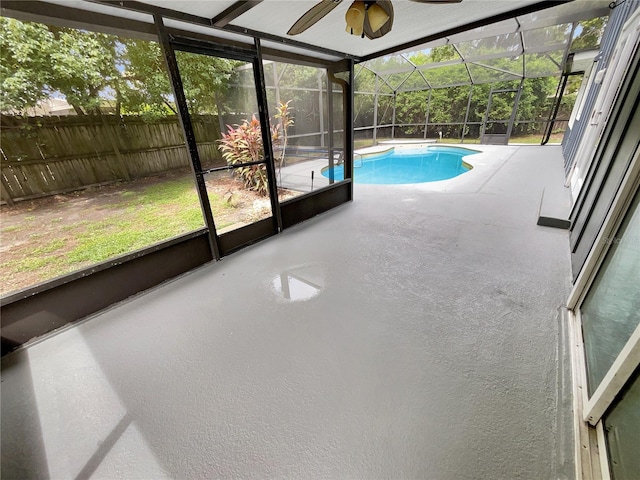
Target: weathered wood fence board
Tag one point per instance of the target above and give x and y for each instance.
(50, 155)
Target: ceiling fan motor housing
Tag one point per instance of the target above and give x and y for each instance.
(372, 19)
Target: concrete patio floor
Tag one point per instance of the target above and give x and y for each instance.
(298, 176)
(413, 333)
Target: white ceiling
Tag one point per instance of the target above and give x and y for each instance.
(413, 21)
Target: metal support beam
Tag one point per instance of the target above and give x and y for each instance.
(515, 109)
(554, 110)
(466, 116)
(425, 79)
(466, 64)
(404, 80)
(375, 112)
(321, 107)
(497, 69)
(393, 117)
(234, 11)
(65, 16)
(332, 176)
(348, 127)
(347, 113)
(261, 91)
(211, 47)
(426, 121)
(567, 61)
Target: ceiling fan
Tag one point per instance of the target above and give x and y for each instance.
(371, 19)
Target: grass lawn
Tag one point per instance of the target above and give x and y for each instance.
(156, 213)
(45, 238)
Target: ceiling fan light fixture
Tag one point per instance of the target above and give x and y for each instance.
(377, 17)
(369, 18)
(355, 18)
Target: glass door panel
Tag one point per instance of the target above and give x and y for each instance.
(611, 311)
(622, 427)
(223, 106)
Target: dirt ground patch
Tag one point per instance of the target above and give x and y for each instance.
(44, 238)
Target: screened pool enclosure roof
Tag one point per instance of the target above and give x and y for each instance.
(415, 26)
(487, 56)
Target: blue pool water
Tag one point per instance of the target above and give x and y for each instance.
(400, 166)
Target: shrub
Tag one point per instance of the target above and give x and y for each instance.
(243, 144)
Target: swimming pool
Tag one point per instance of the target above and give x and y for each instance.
(407, 165)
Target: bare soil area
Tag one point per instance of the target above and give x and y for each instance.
(37, 236)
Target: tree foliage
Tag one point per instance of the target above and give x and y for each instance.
(590, 34)
(40, 61)
(84, 67)
(24, 68)
(442, 86)
(93, 70)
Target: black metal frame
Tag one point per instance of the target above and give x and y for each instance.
(51, 305)
(261, 87)
(187, 128)
(63, 16)
(233, 12)
(40, 309)
(309, 205)
(548, 130)
(231, 241)
(504, 138)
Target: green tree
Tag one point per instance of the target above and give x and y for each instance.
(40, 60)
(146, 91)
(206, 80)
(84, 68)
(25, 73)
(365, 80)
(91, 69)
(591, 33)
(440, 54)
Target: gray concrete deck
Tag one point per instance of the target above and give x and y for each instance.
(412, 333)
(298, 176)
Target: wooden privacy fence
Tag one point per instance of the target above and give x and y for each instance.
(49, 155)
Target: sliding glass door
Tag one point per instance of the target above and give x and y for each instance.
(610, 322)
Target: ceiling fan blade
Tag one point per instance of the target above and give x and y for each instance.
(313, 15)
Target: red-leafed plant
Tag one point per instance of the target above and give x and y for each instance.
(243, 144)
